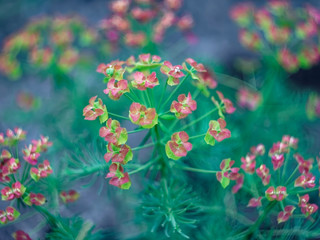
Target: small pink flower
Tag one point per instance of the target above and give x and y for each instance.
(113, 132)
(11, 214)
(217, 132)
(36, 199)
(304, 165)
(306, 208)
(263, 173)
(118, 153)
(18, 189)
(278, 194)
(254, 202)
(248, 99)
(228, 173)
(70, 196)
(286, 214)
(278, 148)
(174, 73)
(263, 18)
(287, 60)
(30, 154)
(21, 235)
(143, 82)
(242, 14)
(140, 115)
(248, 163)
(173, 4)
(11, 166)
(185, 22)
(115, 89)
(7, 194)
(118, 177)
(205, 80)
(184, 106)
(43, 170)
(290, 141)
(146, 59)
(277, 161)
(95, 109)
(250, 40)
(258, 150)
(120, 6)
(197, 66)
(305, 181)
(227, 105)
(112, 70)
(142, 15)
(178, 146)
(135, 39)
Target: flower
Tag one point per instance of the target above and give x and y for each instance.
(227, 105)
(227, 173)
(173, 73)
(113, 132)
(249, 99)
(205, 80)
(140, 115)
(254, 202)
(242, 14)
(118, 153)
(263, 173)
(70, 196)
(143, 82)
(290, 141)
(258, 150)
(287, 60)
(178, 146)
(42, 171)
(34, 199)
(184, 106)
(278, 194)
(304, 165)
(30, 154)
(306, 180)
(95, 109)
(147, 59)
(250, 40)
(118, 177)
(306, 208)
(16, 191)
(217, 132)
(248, 163)
(21, 235)
(115, 89)
(284, 215)
(7, 194)
(112, 70)
(277, 161)
(41, 145)
(10, 215)
(10, 166)
(142, 15)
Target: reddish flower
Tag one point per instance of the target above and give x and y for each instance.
(146, 59)
(258, 150)
(242, 14)
(248, 163)
(278, 194)
(10, 215)
(173, 4)
(263, 173)
(70, 196)
(184, 106)
(18, 189)
(277, 161)
(42, 145)
(34, 199)
(308, 56)
(142, 15)
(140, 115)
(287, 60)
(250, 40)
(305, 181)
(120, 6)
(263, 18)
(185, 22)
(217, 132)
(118, 153)
(113, 132)
(228, 173)
(248, 99)
(30, 154)
(306, 208)
(205, 80)
(143, 82)
(173, 73)
(21, 235)
(254, 202)
(42, 171)
(284, 215)
(178, 146)
(118, 177)
(115, 89)
(278, 35)
(95, 109)
(290, 141)
(227, 105)
(197, 66)
(112, 70)
(11, 166)
(304, 165)
(306, 29)
(135, 39)
(7, 194)
(239, 184)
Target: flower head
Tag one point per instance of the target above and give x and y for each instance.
(248, 99)
(184, 106)
(36, 199)
(217, 132)
(70, 196)
(115, 89)
(44, 170)
(143, 82)
(118, 177)
(283, 216)
(225, 105)
(178, 146)
(174, 73)
(140, 115)
(118, 153)
(248, 163)
(113, 132)
(263, 173)
(95, 109)
(254, 202)
(278, 194)
(21, 235)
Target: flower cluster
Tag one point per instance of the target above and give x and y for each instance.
(47, 42)
(158, 16)
(139, 81)
(249, 99)
(277, 185)
(292, 31)
(18, 186)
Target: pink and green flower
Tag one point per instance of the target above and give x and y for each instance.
(113, 132)
(142, 116)
(217, 132)
(178, 146)
(184, 106)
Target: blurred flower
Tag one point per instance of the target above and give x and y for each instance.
(225, 104)
(44, 170)
(249, 99)
(70, 196)
(242, 14)
(34, 199)
(248, 163)
(21, 235)
(254, 202)
(263, 173)
(278, 194)
(287, 60)
(286, 214)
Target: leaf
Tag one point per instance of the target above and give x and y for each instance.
(225, 182)
(209, 139)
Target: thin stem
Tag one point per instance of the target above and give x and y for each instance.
(136, 130)
(162, 95)
(144, 166)
(175, 90)
(118, 116)
(195, 169)
(129, 97)
(197, 136)
(291, 176)
(200, 118)
(303, 191)
(144, 146)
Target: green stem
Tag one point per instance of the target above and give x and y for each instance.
(144, 166)
(196, 169)
(197, 136)
(303, 191)
(129, 97)
(136, 130)
(291, 176)
(118, 116)
(144, 146)
(162, 95)
(200, 118)
(175, 90)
